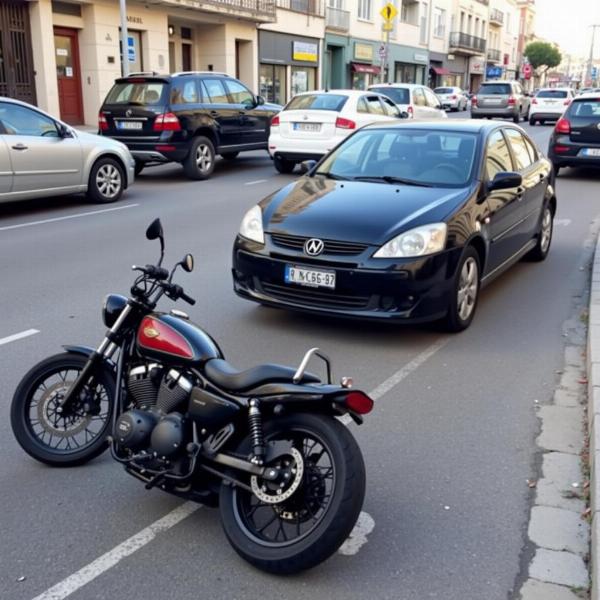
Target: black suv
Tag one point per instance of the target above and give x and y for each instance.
(185, 117)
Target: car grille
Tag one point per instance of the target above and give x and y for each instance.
(313, 297)
(296, 242)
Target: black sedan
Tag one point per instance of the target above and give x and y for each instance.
(400, 221)
(575, 141)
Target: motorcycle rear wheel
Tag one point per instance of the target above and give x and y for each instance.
(308, 527)
(61, 440)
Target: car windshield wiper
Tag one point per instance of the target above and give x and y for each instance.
(332, 176)
(391, 179)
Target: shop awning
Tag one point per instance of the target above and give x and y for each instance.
(362, 68)
(440, 70)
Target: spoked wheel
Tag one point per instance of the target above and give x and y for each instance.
(54, 434)
(465, 293)
(544, 238)
(299, 519)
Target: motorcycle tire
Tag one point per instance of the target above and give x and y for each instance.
(21, 414)
(346, 496)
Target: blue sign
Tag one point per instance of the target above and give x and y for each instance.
(131, 49)
(493, 72)
(594, 72)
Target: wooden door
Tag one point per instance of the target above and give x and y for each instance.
(68, 75)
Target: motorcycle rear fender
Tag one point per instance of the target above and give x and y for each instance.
(87, 351)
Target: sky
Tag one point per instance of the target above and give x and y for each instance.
(567, 22)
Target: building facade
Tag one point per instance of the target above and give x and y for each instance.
(502, 40)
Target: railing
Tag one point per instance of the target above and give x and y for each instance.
(306, 7)
(493, 55)
(262, 8)
(496, 16)
(466, 41)
(336, 18)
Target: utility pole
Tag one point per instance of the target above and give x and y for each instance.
(124, 45)
(590, 65)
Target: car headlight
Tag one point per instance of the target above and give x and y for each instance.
(251, 227)
(420, 241)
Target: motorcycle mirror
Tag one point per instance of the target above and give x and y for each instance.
(155, 230)
(188, 263)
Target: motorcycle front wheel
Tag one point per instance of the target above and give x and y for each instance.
(57, 437)
(301, 519)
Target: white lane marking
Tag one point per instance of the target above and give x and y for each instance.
(563, 222)
(88, 573)
(255, 182)
(358, 536)
(18, 336)
(77, 216)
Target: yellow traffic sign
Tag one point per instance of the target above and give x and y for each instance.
(388, 12)
(388, 26)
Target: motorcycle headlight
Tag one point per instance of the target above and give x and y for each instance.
(420, 241)
(251, 227)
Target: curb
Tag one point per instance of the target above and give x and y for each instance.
(593, 360)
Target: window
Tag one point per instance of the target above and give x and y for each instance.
(214, 91)
(364, 9)
(532, 149)
(497, 157)
(362, 106)
(303, 79)
(19, 120)
(419, 97)
(147, 92)
(423, 25)
(507, 22)
(272, 83)
(551, 94)
(239, 93)
(184, 92)
(495, 89)
(374, 105)
(585, 108)
(439, 22)
(519, 148)
(431, 99)
(398, 95)
(390, 109)
(333, 102)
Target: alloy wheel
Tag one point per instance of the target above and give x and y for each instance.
(546, 232)
(204, 157)
(108, 180)
(467, 289)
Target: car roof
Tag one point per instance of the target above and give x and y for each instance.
(449, 125)
(562, 89)
(350, 93)
(587, 96)
(396, 85)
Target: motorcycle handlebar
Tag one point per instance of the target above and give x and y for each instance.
(157, 273)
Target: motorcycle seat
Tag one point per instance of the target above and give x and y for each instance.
(221, 373)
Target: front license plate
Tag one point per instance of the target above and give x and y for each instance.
(313, 127)
(591, 152)
(129, 125)
(309, 277)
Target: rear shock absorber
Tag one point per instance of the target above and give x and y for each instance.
(256, 431)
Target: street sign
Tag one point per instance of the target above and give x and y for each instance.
(382, 52)
(527, 71)
(594, 72)
(387, 26)
(388, 12)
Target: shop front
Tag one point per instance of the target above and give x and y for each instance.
(288, 65)
(476, 72)
(447, 70)
(409, 64)
(363, 72)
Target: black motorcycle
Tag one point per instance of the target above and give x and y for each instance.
(262, 444)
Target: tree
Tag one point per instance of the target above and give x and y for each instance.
(543, 54)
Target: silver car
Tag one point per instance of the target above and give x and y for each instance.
(41, 156)
(505, 99)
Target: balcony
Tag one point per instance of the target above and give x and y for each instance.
(496, 17)
(494, 55)
(306, 7)
(468, 44)
(261, 11)
(338, 19)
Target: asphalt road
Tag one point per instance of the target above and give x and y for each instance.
(448, 450)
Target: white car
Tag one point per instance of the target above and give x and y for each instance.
(418, 101)
(452, 97)
(313, 123)
(549, 104)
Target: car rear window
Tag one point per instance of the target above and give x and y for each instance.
(333, 102)
(552, 94)
(137, 92)
(499, 89)
(590, 107)
(397, 95)
(443, 91)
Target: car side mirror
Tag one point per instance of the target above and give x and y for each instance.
(259, 100)
(404, 115)
(63, 130)
(306, 166)
(505, 180)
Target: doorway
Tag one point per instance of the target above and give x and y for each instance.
(68, 75)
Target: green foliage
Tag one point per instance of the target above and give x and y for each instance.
(543, 54)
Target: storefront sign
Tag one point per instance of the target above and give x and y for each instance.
(136, 20)
(419, 57)
(493, 72)
(62, 52)
(363, 51)
(305, 51)
(131, 53)
(476, 66)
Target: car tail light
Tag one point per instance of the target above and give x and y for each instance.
(167, 122)
(102, 122)
(359, 403)
(534, 101)
(275, 121)
(563, 126)
(512, 100)
(165, 148)
(474, 101)
(410, 110)
(452, 97)
(342, 123)
(567, 102)
(561, 149)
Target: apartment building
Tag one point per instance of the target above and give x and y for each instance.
(526, 28)
(503, 39)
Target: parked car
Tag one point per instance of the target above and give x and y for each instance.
(453, 98)
(402, 221)
(505, 99)
(575, 141)
(585, 90)
(187, 118)
(42, 156)
(549, 104)
(418, 101)
(313, 123)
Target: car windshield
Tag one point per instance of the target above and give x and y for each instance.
(495, 89)
(551, 94)
(444, 90)
(397, 95)
(420, 157)
(136, 92)
(590, 107)
(333, 102)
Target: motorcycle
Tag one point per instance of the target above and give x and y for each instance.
(264, 445)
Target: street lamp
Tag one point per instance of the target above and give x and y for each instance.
(124, 44)
(590, 65)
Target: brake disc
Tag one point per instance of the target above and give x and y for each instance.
(275, 492)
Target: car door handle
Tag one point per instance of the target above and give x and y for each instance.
(242, 112)
(542, 176)
(520, 191)
(214, 113)
(20, 147)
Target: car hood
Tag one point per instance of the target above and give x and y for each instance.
(99, 140)
(370, 213)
